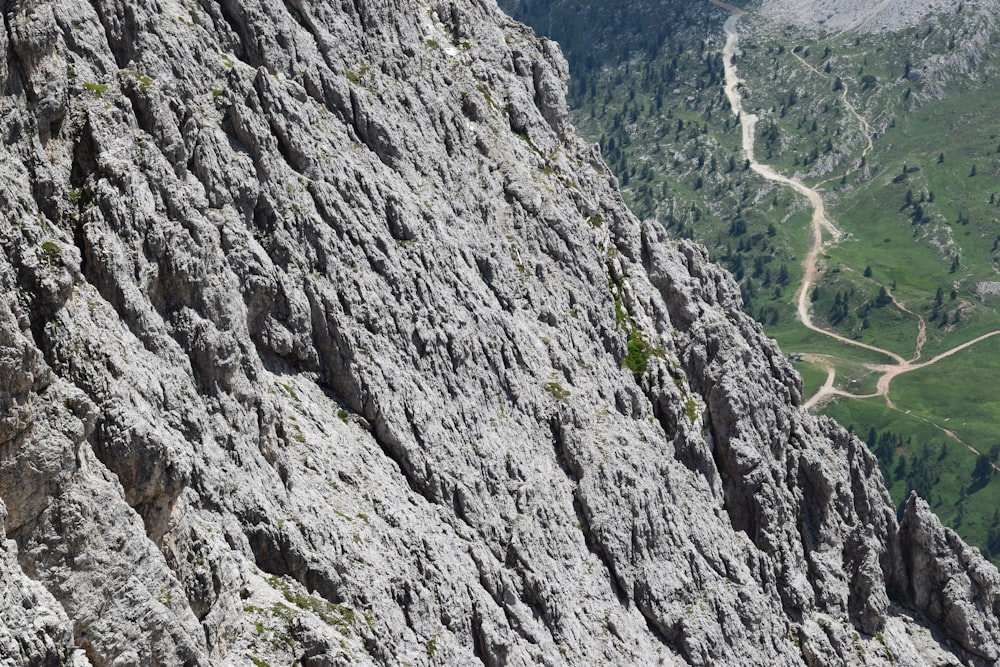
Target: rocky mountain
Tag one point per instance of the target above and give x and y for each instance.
(325, 341)
(871, 16)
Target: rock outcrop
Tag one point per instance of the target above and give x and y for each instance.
(324, 340)
(951, 583)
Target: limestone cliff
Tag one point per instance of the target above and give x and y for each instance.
(325, 341)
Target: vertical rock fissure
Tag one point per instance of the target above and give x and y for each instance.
(116, 47)
(571, 469)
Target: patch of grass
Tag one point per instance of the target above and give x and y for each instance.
(335, 615)
(145, 83)
(557, 391)
(357, 77)
(639, 352)
(637, 358)
(485, 92)
(290, 390)
(50, 253)
(523, 136)
(96, 89)
(431, 645)
(621, 315)
(165, 596)
(691, 409)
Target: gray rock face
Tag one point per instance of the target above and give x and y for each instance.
(324, 340)
(859, 15)
(951, 583)
(34, 629)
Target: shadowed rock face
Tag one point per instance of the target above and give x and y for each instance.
(324, 339)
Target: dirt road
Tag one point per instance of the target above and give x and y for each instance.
(820, 224)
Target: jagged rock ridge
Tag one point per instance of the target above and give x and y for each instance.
(325, 340)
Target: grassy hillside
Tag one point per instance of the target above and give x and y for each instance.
(919, 205)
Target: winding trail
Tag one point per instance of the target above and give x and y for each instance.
(865, 126)
(820, 224)
(918, 349)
